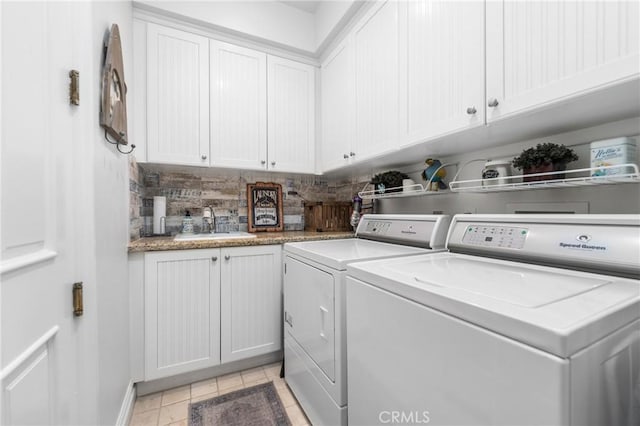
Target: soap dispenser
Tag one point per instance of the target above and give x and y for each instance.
(187, 223)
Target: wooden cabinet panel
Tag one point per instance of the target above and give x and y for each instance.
(251, 298)
(540, 52)
(238, 106)
(182, 312)
(376, 81)
(442, 68)
(177, 97)
(291, 115)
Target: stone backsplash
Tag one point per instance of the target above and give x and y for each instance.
(193, 189)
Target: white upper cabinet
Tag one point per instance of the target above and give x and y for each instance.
(337, 94)
(238, 106)
(291, 116)
(441, 68)
(376, 81)
(540, 52)
(177, 97)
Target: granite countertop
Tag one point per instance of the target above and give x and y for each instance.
(262, 238)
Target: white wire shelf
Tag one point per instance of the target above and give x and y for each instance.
(417, 189)
(623, 173)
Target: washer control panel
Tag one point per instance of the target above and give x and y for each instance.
(495, 236)
(377, 227)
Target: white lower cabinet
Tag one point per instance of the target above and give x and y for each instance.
(203, 307)
(251, 308)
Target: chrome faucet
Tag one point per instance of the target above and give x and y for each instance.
(208, 220)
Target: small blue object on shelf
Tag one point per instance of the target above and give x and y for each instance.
(430, 174)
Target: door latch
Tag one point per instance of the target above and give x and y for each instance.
(288, 318)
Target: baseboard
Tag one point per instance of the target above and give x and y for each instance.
(126, 410)
(157, 385)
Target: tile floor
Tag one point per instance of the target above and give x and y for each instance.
(170, 407)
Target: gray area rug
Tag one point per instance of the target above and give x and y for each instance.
(255, 406)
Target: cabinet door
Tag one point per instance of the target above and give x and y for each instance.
(251, 304)
(442, 68)
(539, 52)
(376, 81)
(182, 311)
(238, 107)
(291, 116)
(177, 97)
(337, 107)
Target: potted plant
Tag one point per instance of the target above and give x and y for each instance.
(392, 179)
(545, 157)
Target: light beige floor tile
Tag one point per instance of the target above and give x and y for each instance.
(257, 382)
(203, 397)
(174, 395)
(286, 397)
(148, 402)
(173, 413)
(229, 390)
(146, 418)
(272, 370)
(296, 415)
(182, 422)
(229, 381)
(204, 387)
(279, 383)
(253, 375)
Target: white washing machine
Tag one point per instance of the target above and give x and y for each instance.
(528, 320)
(314, 303)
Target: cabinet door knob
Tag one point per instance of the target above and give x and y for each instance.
(493, 102)
(227, 257)
(263, 162)
(214, 258)
(471, 110)
(352, 154)
(204, 157)
(273, 163)
(345, 156)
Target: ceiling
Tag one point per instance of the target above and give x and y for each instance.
(304, 5)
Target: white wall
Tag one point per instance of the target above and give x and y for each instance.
(110, 201)
(271, 21)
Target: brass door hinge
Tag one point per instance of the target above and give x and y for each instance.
(74, 87)
(78, 309)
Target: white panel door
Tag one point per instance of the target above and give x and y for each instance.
(337, 94)
(177, 97)
(44, 140)
(182, 311)
(238, 106)
(539, 52)
(376, 81)
(251, 301)
(442, 68)
(291, 116)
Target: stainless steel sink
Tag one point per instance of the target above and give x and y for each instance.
(216, 236)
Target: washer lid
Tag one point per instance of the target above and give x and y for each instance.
(557, 310)
(336, 254)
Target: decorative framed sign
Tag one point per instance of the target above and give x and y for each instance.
(264, 204)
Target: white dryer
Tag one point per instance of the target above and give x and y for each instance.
(314, 303)
(528, 320)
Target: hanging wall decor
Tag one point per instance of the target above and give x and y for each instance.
(264, 202)
(113, 106)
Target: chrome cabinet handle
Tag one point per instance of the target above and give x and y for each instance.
(227, 257)
(273, 163)
(493, 102)
(214, 258)
(204, 157)
(263, 162)
(471, 110)
(345, 156)
(352, 154)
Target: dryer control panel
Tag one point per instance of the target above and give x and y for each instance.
(427, 231)
(495, 236)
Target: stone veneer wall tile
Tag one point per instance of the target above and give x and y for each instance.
(193, 189)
